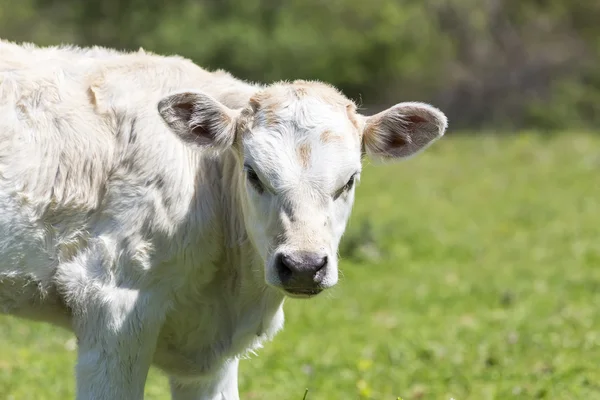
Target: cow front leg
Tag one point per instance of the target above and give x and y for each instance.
(116, 343)
(222, 386)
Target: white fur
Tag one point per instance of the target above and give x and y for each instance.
(152, 250)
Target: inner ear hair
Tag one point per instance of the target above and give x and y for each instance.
(403, 130)
(199, 119)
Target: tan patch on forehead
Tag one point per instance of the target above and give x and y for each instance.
(255, 102)
(264, 106)
(270, 110)
(304, 154)
(328, 136)
(324, 91)
(300, 92)
(268, 114)
(277, 93)
(262, 101)
(270, 118)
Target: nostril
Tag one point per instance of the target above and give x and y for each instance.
(314, 263)
(286, 261)
(283, 268)
(320, 270)
(322, 263)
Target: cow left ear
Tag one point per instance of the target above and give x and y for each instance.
(403, 130)
(199, 119)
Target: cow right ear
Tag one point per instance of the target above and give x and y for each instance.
(199, 119)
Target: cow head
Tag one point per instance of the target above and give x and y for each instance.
(299, 147)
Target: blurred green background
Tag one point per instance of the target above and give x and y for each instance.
(469, 272)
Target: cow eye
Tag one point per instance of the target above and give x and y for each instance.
(349, 184)
(346, 187)
(254, 179)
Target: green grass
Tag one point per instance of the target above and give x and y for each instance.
(471, 271)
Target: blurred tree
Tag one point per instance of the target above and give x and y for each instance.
(487, 63)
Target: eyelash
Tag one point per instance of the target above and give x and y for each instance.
(254, 179)
(346, 187)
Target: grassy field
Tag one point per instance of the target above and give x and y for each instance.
(470, 272)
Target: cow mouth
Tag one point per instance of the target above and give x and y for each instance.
(302, 293)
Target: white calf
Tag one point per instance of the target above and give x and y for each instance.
(163, 213)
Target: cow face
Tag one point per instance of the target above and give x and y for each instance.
(299, 147)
